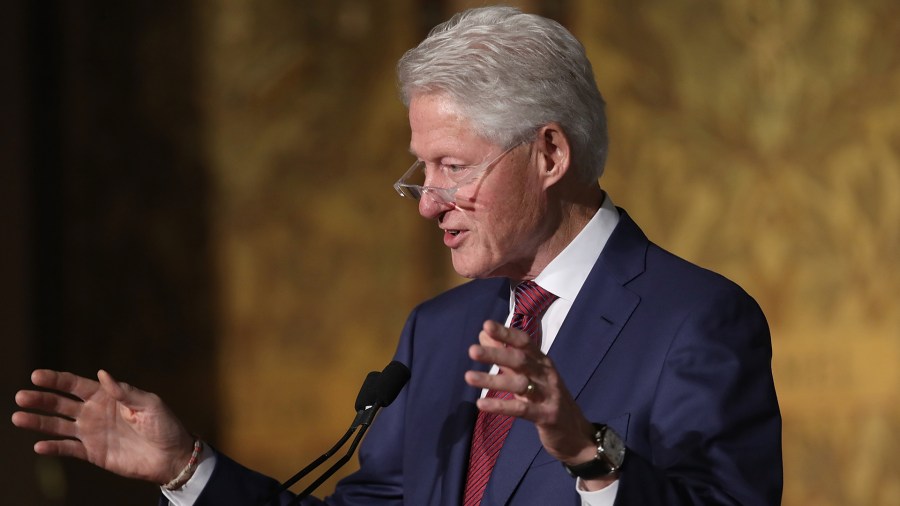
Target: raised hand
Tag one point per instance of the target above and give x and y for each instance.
(110, 424)
(564, 431)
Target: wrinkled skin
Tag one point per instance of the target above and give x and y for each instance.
(112, 425)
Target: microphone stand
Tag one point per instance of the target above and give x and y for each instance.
(364, 417)
(314, 464)
(370, 415)
(379, 390)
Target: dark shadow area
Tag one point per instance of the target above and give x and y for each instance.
(108, 260)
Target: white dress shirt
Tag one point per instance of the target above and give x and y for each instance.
(564, 276)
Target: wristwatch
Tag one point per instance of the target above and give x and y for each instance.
(609, 458)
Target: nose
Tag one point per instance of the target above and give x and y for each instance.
(430, 207)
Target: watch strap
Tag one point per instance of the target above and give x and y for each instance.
(601, 465)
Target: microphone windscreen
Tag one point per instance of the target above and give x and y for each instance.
(393, 377)
(367, 392)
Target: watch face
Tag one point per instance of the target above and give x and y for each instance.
(613, 447)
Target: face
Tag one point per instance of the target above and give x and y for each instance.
(498, 225)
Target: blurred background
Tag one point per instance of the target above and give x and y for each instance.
(197, 197)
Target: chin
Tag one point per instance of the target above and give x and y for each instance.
(466, 273)
(466, 268)
(473, 269)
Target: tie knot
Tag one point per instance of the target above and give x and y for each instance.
(531, 299)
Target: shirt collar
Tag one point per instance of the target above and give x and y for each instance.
(567, 272)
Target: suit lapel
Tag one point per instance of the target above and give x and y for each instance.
(444, 484)
(601, 309)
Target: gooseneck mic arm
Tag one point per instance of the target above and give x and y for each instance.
(365, 405)
(390, 382)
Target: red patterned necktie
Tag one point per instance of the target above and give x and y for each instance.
(491, 429)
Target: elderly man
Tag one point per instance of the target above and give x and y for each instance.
(583, 365)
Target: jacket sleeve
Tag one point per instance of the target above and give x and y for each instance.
(232, 483)
(715, 426)
(378, 479)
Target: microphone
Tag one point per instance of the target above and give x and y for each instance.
(388, 386)
(366, 400)
(393, 378)
(366, 396)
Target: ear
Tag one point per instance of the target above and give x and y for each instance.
(554, 153)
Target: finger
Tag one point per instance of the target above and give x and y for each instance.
(507, 358)
(128, 395)
(511, 407)
(512, 383)
(61, 448)
(48, 402)
(493, 334)
(64, 382)
(44, 423)
(115, 389)
(488, 329)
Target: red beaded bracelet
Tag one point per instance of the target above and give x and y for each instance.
(188, 470)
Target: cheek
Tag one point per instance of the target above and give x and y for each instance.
(507, 211)
(510, 225)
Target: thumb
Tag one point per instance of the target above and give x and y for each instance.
(121, 391)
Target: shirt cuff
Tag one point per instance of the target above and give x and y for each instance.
(190, 492)
(604, 497)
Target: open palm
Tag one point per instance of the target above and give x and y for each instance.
(110, 424)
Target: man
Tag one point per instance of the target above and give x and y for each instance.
(621, 374)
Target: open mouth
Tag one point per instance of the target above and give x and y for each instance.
(454, 233)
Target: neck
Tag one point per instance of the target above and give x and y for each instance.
(567, 218)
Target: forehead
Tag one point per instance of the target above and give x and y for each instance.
(438, 127)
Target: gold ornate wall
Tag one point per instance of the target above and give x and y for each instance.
(762, 140)
(758, 138)
(318, 261)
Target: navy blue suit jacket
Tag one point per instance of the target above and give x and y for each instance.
(674, 357)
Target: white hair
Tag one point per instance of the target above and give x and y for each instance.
(511, 73)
